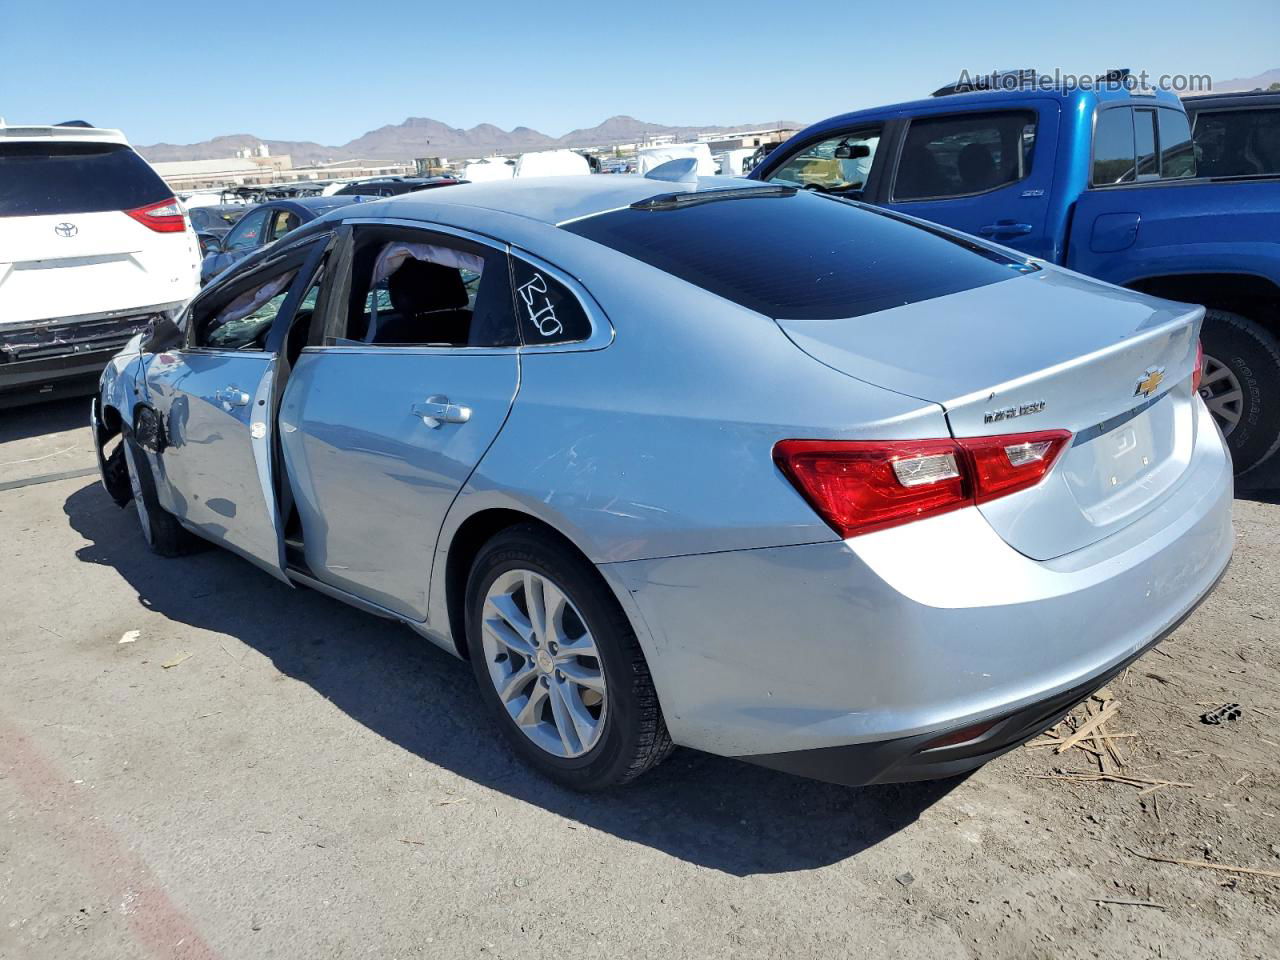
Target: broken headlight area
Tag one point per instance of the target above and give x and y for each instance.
(148, 430)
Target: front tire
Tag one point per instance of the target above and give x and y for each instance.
(558, 664)
(1241, 385)
(160, 529)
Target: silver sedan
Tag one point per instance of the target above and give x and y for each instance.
(694, 461)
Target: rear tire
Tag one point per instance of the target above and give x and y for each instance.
(634, 735)
(160, 529)
(1242, 385)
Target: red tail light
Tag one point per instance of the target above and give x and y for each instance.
(163, 217)
(860, 486)
(1198, 373)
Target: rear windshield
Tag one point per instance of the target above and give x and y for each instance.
(50, 178)
(800, 257)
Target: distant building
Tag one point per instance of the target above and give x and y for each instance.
(746, 140)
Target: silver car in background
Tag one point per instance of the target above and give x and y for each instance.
(695, 461)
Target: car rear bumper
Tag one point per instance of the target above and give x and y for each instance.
(843, 660)
(920, 757)
(65, 357)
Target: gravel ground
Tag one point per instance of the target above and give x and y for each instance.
(263, 772)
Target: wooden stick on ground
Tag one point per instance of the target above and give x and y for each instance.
(1202, 865)
(1132, 903)
(1088, 726)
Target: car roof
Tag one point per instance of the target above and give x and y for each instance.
(65, 132)
(549, 200)
(987, 98)
(315, 205)
(1244, 98)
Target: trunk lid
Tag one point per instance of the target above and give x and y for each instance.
(1048, 350)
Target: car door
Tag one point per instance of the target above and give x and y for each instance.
(215, 394)
(986, 172)
(383, 421)
(1135, 145)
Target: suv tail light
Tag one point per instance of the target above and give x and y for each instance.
(1198, 373)
(163, 217)
(859, 486)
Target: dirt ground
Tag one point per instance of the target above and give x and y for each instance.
(197, 761)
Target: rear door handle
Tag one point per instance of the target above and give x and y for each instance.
(437, 410)
(231, 397)
(1005, 228)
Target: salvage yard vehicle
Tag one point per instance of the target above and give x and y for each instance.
(872, 502)
(1104, 181)
(93, 247)
(263, 225)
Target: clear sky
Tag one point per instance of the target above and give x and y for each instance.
(328, 70)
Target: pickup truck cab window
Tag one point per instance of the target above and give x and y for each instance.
(1113, 147)
(840, 164)
(1177, 153)
(964, 154)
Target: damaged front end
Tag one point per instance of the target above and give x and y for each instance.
(52, 358)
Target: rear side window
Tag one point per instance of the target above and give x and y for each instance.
(1239, 143)
(802, 256)
(548, 311)
(38, 178)
(415, 288)
(956, 156)
(1113, 150)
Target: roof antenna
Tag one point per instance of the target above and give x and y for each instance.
(681, 170)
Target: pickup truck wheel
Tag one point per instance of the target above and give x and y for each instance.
(1241, 385)
(558, 663)
(164, 535)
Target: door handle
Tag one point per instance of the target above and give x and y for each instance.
(232, 397)
(437, 410)
(1007, 228)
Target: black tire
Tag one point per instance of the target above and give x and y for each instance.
(160, 529)
(1251, 354)
(635, 736)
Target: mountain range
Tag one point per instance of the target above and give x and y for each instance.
(1262, 81)
(424, 137)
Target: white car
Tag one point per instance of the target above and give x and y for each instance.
(93, 246)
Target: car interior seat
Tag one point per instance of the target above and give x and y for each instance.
(977, 167)
(429, 305)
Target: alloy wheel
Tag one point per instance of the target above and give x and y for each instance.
(1222, 394)
(543, 663)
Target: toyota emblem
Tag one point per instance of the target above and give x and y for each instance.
(66, 229)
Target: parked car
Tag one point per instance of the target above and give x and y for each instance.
(873, 501)
(1103, 181)
(393, 186)
(263, 225)
(211, 223)
(93, 247)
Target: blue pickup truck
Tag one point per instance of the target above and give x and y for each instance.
(1104, 181)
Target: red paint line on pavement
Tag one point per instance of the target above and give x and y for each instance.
(123, 877)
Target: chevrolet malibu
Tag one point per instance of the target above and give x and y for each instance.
(690, 461)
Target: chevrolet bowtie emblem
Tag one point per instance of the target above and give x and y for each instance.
(1149, 381)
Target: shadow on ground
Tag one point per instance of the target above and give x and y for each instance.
(714, 812)
(38, 419)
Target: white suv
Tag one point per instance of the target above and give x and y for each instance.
(93, 246)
